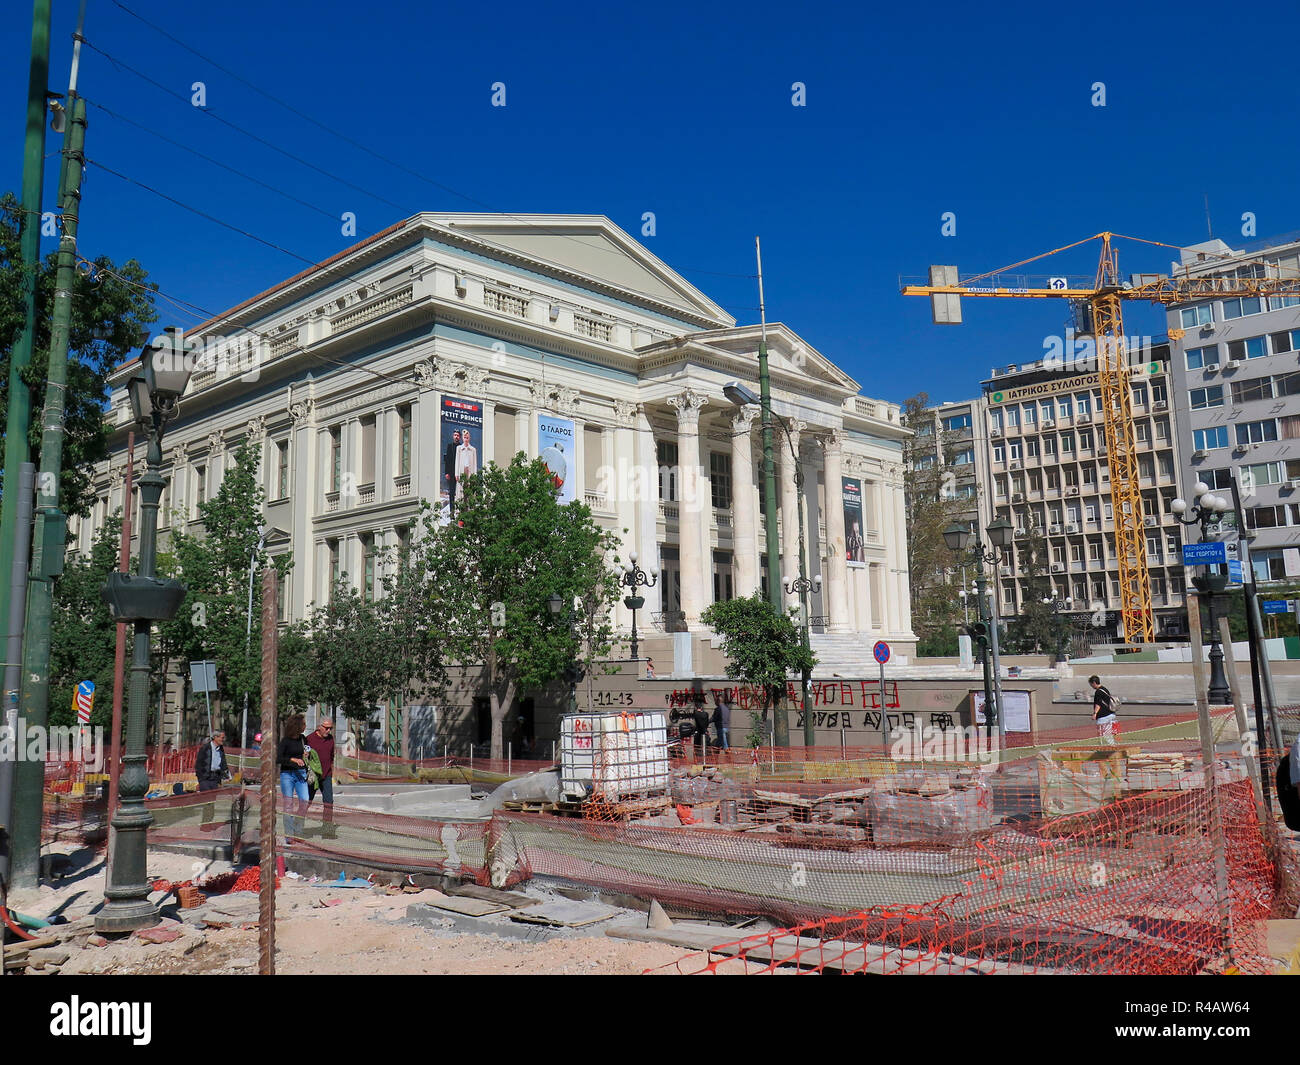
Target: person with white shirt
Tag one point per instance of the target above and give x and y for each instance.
(210, 765)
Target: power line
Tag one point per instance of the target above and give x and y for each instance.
(252, 136)
(200, 213)
(397, 164)
(209, 159)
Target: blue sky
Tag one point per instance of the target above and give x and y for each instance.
(685, 110)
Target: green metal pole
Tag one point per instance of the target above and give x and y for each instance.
(48, 540)
(19, 418)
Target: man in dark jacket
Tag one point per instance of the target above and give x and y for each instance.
(210, 765)
(322, 742)
(701, 718)
(722, 719)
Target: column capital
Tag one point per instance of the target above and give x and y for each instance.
(831, 440)
(743, 420)
(688, 404)
(301, 411)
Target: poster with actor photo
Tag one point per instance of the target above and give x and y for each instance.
(853, 520)
(555, 446)
(462, 448)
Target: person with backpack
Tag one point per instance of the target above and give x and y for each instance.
(1103, 710)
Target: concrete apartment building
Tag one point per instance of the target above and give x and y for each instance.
(1236, 374)
(1032, 449)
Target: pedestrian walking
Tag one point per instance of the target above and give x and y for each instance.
(210, 765)
(322, 742)
(292, 757)
(1103, 710)
(701, 718)
(650, 669)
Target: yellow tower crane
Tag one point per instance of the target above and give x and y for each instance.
(1105, 298)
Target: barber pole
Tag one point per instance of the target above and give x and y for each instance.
(83, 701)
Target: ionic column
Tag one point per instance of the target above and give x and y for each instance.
(789, 505)
(690, 504)
(837, 577)
(744, 520)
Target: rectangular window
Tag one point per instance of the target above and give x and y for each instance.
(1278, 303)
(1084, 405)
(1063, 407)
(1261, 473)
(1249, 348)
(1208, 439)
(1201, 398)
(336, 458)
(368, 450)
(1067, 441)
(1257, 432)
(1031, 448)
(1016, 451)
(404, 441)
(995, 420)
(282, 469)
(999, 453)
(1029, 415)
(720, 479)
(368, 568)
(956, 421)
(1283, 342)
(1218, 480)
(667, 452)
(1240, 307)
(964, 458)
(1199, 358)
(1158, 393)
(1191, 317)
(1089, 475)
(1085, 439)
(1139, 395)
(1053, 479)
(1287, 384)
(1094, 551)
(200, 488)
(1090, 513)
(1012, 415)
(335, 570)
(1291, 427)
(1045, 410)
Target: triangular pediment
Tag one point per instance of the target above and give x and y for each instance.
(590, 247)
(789, 355)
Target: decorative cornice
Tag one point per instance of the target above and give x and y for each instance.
(688, 403)
(559, 398)
(447, 376)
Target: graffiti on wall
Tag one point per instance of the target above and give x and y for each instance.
(837, 693)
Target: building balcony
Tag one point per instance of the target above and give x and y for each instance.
(402, 485)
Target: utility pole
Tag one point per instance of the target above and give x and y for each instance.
(48, 540)
(780, 724)
(19, 417)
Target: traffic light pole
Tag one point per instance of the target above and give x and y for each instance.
(983, 643)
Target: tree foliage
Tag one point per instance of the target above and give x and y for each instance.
(214, 565)
(1038, 628)
(931, 506)
(83, 635)
(489, 575)
(110, 308)
(763, 648)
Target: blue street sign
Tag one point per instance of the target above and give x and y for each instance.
(1234, 571)
(881, 651)
(1275, 606)
(1207, 554)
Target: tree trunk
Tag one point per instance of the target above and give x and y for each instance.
(501, 704)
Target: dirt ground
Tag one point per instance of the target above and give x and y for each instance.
(320, 929)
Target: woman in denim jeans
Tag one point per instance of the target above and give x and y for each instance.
(293, 773)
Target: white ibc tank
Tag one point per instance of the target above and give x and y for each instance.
(613, 756)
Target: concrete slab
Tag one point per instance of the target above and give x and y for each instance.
(467, 906)
(565, 914)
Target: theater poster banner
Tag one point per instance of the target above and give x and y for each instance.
(462, 447)
(555, 446)
(853, 520)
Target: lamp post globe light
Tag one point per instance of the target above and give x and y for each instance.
(968, 546)
(155, 392)
(741, 396)
(1207, 509)
(634, 577)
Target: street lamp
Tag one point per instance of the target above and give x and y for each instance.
(1207, 510)
(960, 540)
(572, 672)
(155, 393)
(743, 397)
(633, 577)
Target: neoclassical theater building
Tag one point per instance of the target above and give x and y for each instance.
(449, 341)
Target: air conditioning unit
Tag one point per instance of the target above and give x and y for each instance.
(1054, 529)
(1058, 567)
(1083, 419)
(1210, 371)
(1047, 423)
(1160, 404)
(1232, 364)
(1293, 484)
(1073, 490)
(1072, 528)
(995, 432)
(1018, 498)
(1021, 533)
(1209, 327)
(1200, 453)
(1150, 521)
(1241, 449)
(1015, 465)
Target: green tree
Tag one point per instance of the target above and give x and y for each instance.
(83, 635)
(763, 648)
(931, 506)
(490, 575)
(214, 565)
(1037, 628)
(111, 306)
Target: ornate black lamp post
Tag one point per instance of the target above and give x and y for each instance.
(155, 393)
(1207, 510)
(959, 539)
(635, 577)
